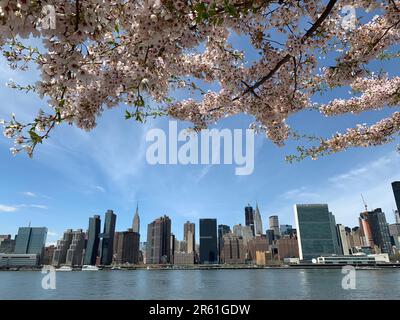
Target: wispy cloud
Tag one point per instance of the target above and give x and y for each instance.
(35, 206)
(116, 154)
(52, 234)
(99, 188)
(4, 208)
(34, 195)
(29, 194)
(366, 171)
(300, 193)
(342, 192)
(203, 173)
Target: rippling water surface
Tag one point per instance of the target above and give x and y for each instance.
(203, 284)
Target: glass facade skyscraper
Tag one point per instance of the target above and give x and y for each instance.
(107, 243)
(208, 241)
(316, 231)
(379, 229)
(396, 192)
(93, 240)
(30, 241)
(286, 229)
(249, 218)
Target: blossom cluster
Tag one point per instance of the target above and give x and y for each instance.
(102, 54)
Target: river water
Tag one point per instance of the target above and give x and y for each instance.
(273, 284)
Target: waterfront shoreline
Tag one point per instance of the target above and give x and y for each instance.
(231, 267)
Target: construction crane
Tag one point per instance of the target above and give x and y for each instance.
(365, 204)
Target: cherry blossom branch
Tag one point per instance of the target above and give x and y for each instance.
(287, 57)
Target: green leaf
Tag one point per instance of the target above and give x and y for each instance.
(128, 115)
(35, 137)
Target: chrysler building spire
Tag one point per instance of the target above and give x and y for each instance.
(136, 221)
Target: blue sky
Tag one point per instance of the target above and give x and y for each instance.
(76, 174)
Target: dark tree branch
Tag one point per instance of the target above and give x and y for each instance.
(287, 57)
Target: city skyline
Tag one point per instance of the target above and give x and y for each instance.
(316, 238)
(265, 220)
(161, 230)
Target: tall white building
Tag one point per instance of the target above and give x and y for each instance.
(136, 221)
(258, 222)
(274, 225)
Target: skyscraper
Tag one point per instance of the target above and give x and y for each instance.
(172, 239)
(222, 230)
(274, 225)
(244, 232)
(394, 231)
(396, 192)
(344, 244)
(136, 221)
(286, 230)
(375, 223)
(60, 253)
(365, 230)
(4, 237)
(31, 241)
(336, 242)
(397, 216)
(356, 238)
(189, 236)
(208, 241)
(108, 238)
(127, 247)
(7, 245)
(249, 218)
(93, 240)
(74, 253)
(270, 236)
(316, 235)
(258, 222)
(159, 241)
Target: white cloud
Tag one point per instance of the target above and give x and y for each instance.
(364, 171)
(52, 234)
(343, 191)
(4, 208)
(117, 154)
(34, 195)
(38, 206)
(35, 206)
(29, 194)
(100, 188)
(300, 193)
(203, 173)
(372, 179)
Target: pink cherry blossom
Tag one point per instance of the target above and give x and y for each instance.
(106, 54)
